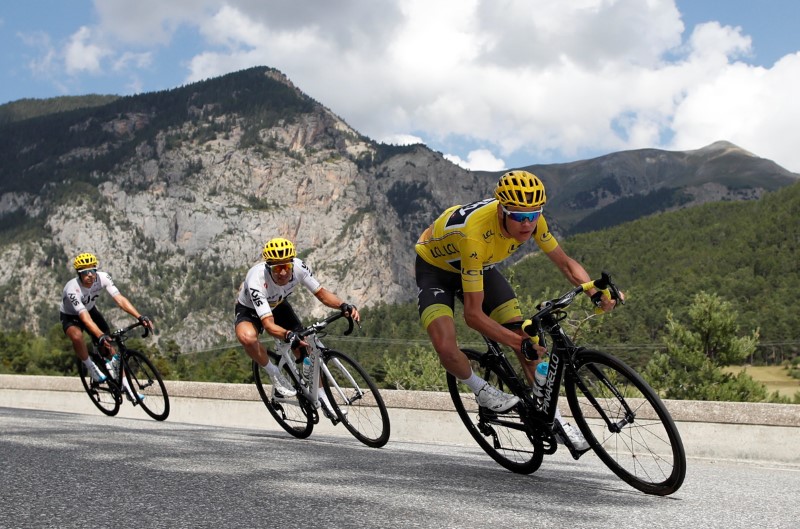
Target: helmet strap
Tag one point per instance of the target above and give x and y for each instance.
(505, 226)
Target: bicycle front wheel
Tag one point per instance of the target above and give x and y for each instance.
(626, 423)
(503, 436)
(147, 385)
(293, 414)
(104, 395)
(355, 399)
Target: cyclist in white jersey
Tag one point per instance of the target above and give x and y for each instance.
(79, 311)
(262, 306)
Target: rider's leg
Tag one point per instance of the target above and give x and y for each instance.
(247, 334)
(75, 334)
(442, 332)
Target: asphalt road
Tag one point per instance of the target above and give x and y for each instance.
(69, 470)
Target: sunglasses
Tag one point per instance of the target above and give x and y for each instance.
(282, 267)
(519, 216)
(87, 271)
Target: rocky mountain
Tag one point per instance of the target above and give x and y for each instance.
(176, 192)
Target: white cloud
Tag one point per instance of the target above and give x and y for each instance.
(42, 63)
(132, 61)
(82, 54)
(543, 79)
(478, 160)
(402, 139)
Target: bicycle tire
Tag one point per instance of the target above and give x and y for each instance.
(647, 452)
(355, 399)
(104, 395)
(294, 415)
(511, 446)
(145, 379)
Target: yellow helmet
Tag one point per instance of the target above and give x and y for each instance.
(85, 260)
(278, 249)
(520, 189)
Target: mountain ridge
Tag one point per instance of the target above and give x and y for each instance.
(176, 191)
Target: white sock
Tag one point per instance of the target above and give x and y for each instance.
(271, 368)
(474, 382)
(88, 362)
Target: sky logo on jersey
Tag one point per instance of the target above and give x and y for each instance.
(255, 295)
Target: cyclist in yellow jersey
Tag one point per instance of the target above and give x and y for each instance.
(456, 257)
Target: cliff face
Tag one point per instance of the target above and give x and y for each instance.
(176, 193)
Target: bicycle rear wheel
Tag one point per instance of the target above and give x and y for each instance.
(355, 399)
(626, 423)
(145, 380)
(501, 435)
(293, 414)
(104, 395)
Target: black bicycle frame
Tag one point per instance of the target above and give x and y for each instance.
(539, 416)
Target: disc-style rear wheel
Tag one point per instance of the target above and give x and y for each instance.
(104, 395)
(148, 387)
(501, 435)
(355, 399)
(626, 423)
(294, 414)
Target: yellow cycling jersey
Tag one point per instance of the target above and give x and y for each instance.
(468, 239)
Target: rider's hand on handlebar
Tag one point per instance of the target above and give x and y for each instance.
(604, 302)
(532, 351)
(350, 310)
(293, 340)
(106, 343)
(146, 321)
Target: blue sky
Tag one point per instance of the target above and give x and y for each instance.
(492, 84)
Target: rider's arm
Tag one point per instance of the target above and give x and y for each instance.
(329, 299)
(275, 330)
(576, 274)
(481, 322)
(89, 323)
(272, 328)
(123, 303)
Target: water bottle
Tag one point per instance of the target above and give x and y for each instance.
(307, 368)
(540, 378)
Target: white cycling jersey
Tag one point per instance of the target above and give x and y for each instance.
(77, 298)
(259, 291)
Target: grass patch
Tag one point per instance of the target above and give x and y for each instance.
(776, 378)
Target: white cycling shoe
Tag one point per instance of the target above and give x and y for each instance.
(576, 438)
(491, 398)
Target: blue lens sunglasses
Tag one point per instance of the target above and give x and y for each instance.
(519, 216)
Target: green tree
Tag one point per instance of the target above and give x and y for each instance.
(418, 369)
(690, 367)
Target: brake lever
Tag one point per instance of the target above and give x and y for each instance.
(350, 326)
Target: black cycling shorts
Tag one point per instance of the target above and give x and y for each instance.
(283, 313)
(68, 320)
(438, 289)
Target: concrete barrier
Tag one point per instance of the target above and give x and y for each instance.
(758, 432)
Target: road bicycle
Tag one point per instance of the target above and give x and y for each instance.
(136, 370)
(354, 398)
(622, 418)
